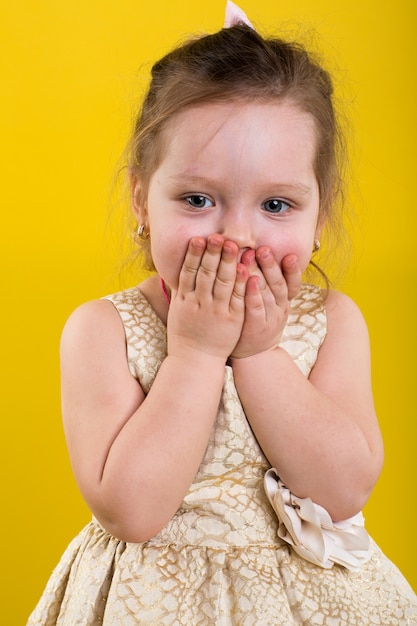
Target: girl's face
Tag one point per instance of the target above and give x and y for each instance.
(243, 170)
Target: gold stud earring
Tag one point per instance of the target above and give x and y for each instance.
(316, 245)
(142, 232)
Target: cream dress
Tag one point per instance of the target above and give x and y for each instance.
(219, 561)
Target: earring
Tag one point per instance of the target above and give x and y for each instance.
(316, 245)
(142, 233)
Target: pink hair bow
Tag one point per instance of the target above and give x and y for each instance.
(235, 15)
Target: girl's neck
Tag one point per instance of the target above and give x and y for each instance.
(152, 290)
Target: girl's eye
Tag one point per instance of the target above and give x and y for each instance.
(198, 202)
(276, 206)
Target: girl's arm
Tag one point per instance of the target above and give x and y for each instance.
(320, 432)
(134, 458)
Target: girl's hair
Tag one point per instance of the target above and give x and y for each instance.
(238, 64)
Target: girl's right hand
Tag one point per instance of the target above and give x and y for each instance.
(207, 310)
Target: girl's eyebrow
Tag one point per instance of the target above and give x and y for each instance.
(195, 181)
(181, 180)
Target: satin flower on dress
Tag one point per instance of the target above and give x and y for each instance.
(310, 531)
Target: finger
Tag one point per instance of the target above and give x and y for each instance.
(226, 276)
(273, 275)
(249, 259)
(254, 301)
(292, 274)
(191, 264)
(237, 301)
(210, 260)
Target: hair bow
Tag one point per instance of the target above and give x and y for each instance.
(235, 15)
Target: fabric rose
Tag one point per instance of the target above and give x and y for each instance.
(311, 532)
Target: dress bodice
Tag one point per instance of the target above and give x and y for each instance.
(226, 504)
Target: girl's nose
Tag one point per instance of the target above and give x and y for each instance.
(238, 227)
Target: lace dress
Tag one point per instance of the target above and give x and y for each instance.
(219, 561)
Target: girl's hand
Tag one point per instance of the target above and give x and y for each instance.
(207, 310)
(269, 291)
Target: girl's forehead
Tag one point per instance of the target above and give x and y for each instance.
(249, 148)
(231, 130)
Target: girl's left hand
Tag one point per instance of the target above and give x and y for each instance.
(269, 290)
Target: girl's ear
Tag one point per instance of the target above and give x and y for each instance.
(137, 199)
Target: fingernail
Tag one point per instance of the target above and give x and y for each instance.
(265, 253)
(215, 240)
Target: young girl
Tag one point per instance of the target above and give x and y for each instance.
(219, 416)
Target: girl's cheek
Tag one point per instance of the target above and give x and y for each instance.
(168, 256)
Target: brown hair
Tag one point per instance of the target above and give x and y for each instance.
(239, 64)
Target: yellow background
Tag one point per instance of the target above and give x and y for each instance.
(70, 77)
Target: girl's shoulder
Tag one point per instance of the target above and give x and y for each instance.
(119, 332)
(113, 311)
(331, 321)
(331, 306)
(342, 310)
(93, 328)
(97, 322)
(330, 302)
